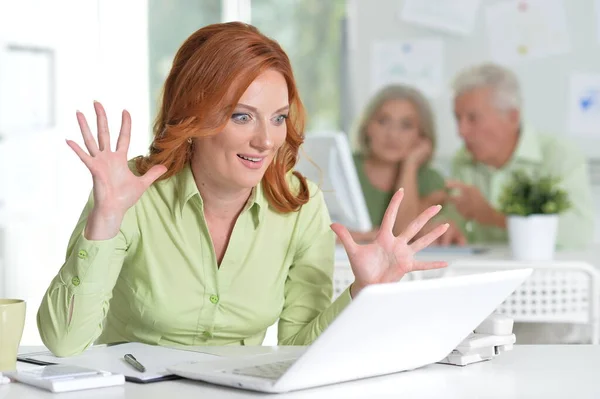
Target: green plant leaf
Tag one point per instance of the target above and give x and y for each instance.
(526, 195)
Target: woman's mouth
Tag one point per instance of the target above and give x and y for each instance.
(251, 161)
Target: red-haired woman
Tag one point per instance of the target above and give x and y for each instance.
(212, 237)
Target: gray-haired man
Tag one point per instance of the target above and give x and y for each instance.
(487, 106)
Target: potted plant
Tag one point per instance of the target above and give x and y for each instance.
(532, 205)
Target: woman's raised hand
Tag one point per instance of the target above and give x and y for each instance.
(388, 258)
(116, 188)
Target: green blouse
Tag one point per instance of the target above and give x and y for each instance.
(429, 180)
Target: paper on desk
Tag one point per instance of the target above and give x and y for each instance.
(156, 359)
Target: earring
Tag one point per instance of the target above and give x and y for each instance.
(189, 140)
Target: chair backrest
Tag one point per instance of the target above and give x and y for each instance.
(342, 278)
(564, 292)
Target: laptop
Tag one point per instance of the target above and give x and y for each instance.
(386, 329)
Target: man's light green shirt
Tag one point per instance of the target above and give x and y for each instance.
(158, 282)
(541, 155)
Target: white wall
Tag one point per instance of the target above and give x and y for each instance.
(101, 54)
(544, 81)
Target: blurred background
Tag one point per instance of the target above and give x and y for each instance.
(57, 56)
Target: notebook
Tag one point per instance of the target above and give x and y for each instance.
(156, 359)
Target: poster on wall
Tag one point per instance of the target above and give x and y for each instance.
(584, 105)
(449, 16)
(417, 62)
(597, 12)
(522, 30)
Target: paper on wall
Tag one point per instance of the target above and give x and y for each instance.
(597, 12)
(456, 16)
(521, 30)
(417, 62)
(584, 105)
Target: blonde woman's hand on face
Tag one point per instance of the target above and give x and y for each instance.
(388, 258)
(116, 188)
(421, 152)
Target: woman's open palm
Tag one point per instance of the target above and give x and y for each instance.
(388, 258)
(116, 188)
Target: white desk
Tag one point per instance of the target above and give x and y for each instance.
(526, 372)
(590, 255)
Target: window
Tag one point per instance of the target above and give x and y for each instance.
(170, 22)
(310, 31)
(312, 34)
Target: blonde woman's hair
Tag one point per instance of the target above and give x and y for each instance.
(392, 93)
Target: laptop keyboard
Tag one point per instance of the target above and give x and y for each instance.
(271, 371)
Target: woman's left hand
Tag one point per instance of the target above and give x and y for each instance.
(388, 258)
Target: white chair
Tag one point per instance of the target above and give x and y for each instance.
(556, 292)
(342, 278)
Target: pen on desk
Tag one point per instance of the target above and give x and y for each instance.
(130, 359)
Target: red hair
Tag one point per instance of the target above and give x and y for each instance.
(211, 71)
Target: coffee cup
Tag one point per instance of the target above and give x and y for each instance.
(12, 322)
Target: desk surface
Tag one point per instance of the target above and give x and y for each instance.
(525, 372)
(590, 255)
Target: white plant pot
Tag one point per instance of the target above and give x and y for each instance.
(532, 237)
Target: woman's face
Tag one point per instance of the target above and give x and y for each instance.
(238, 156)
(393, 131)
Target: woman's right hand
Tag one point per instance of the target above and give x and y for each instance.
(116, 188)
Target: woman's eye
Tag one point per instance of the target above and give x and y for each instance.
(407, 125)
(280, 119)
(382, 121)
(241, 118)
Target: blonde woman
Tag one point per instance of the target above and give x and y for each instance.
(395, 138)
